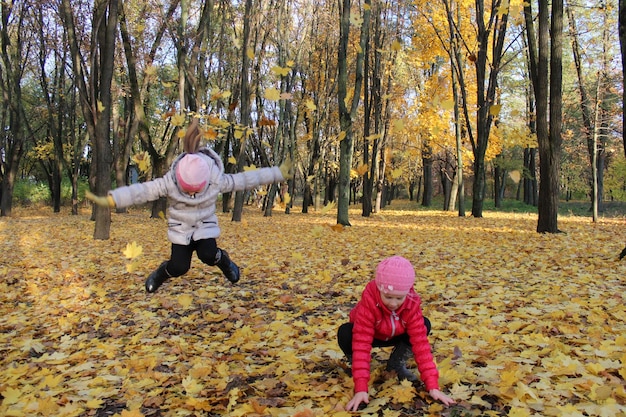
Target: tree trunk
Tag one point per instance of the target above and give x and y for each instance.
(11, 79)
(427, 163)
(346, 145)
(548, 135)
(622, 44)
(246, 120)
(96, 97)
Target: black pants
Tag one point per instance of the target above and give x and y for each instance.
(344, 338)
(180, 259)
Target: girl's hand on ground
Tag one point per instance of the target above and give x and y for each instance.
(359, 397)
(440, 396)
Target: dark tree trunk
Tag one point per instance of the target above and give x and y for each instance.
(427, 161)
(622, 44)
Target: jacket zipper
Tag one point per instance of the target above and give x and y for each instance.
(393, 318)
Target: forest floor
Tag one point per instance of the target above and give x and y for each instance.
(524, 324)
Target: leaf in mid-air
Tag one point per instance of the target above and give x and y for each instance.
(132, 250)
(272, 94)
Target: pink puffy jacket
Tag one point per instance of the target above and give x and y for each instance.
(372, 320)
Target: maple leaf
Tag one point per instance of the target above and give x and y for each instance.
(447, 104)
(94, 403)
(127, 413)
(405, 392)
(518, 412)
(362, 169)
(48, 406)
(185, 300)
(356, 20)
(266, 122)
(132, 250)
(11, 396)
(191, 386)
(142, 160)
(178, 120)
(272, 94)
(278, 70)
(328, 207)
(494, 109)
(210, 134)
(33, 345)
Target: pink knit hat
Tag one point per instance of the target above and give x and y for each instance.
(192, 172)
(395, 274)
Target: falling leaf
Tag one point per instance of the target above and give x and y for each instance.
(272, 94)
(398, 125)
(356, 20)
(132, 250)
(494, 109)
(142, 160)
(362, 169)
(178, 120)
(150, 70)
(396, 46)
(280, 70)
(328, 207)
(266, 122)
(209, 134)
(447, 104)
(250, 53)
(310, 105)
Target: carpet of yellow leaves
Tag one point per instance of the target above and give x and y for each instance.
(524, 324)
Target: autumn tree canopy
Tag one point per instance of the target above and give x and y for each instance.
(420, 98)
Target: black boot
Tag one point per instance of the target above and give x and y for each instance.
(228, 267)
(157, 277)
(397, 362)
(349, 367)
